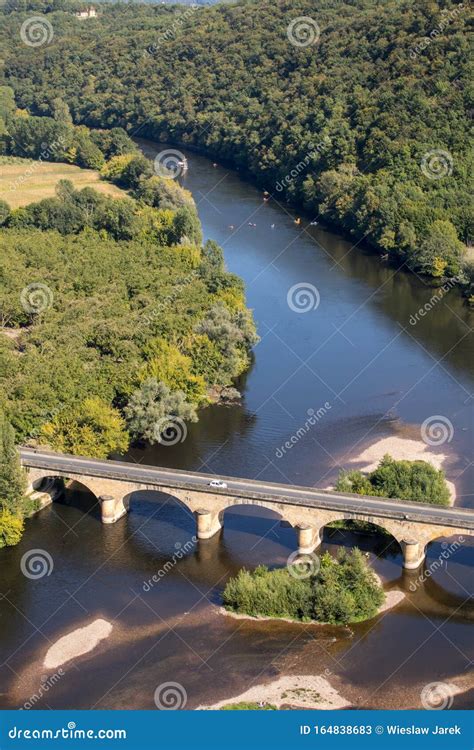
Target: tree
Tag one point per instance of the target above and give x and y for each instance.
(92, 429)
(441, 251)
(4, 212)
(346, 589)
(166, 364)
(418, 481)
(11, 528)
(343, 590)
(187, 227)
(12, 477)
(152, 408)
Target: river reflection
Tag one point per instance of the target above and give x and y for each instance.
(358, 351)
(169, 628)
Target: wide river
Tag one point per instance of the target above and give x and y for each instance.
(373, 368)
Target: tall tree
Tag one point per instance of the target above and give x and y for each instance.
(12, 477)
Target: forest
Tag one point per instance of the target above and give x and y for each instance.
(365, 127)
(117, 323)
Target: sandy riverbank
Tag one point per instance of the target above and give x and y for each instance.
(302, 691)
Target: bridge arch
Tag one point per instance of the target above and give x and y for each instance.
(46, 487)
(165, 504)
(355, 526)
(257, 519)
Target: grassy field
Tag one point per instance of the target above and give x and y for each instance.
(24, 181)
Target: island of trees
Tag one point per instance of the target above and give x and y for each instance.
(371, 117)
(417, 481)
(343, 590)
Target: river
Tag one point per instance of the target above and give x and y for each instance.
(358, 356)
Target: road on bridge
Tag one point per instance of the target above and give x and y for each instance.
(247, 489)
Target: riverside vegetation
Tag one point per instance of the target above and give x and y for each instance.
(417, 481)
(117, 320)
(376, 147)
(343, 590)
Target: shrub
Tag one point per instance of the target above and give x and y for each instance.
(344, 590)
(417, 481)
(269, 593)
(11, 529)
(244, 706)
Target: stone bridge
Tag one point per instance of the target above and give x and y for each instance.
(413, 525)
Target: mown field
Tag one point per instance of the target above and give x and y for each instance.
(24, 181)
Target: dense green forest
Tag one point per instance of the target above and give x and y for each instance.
(365, 127)
(116, 322)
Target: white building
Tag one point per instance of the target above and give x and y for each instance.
(87, 13)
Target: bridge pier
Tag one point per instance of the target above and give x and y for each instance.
(413, 554)
(111, 508)
(207, 523)
(308, 538)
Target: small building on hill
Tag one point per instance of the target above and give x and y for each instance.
(89, 12)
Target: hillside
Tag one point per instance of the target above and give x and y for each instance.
(359, 115)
